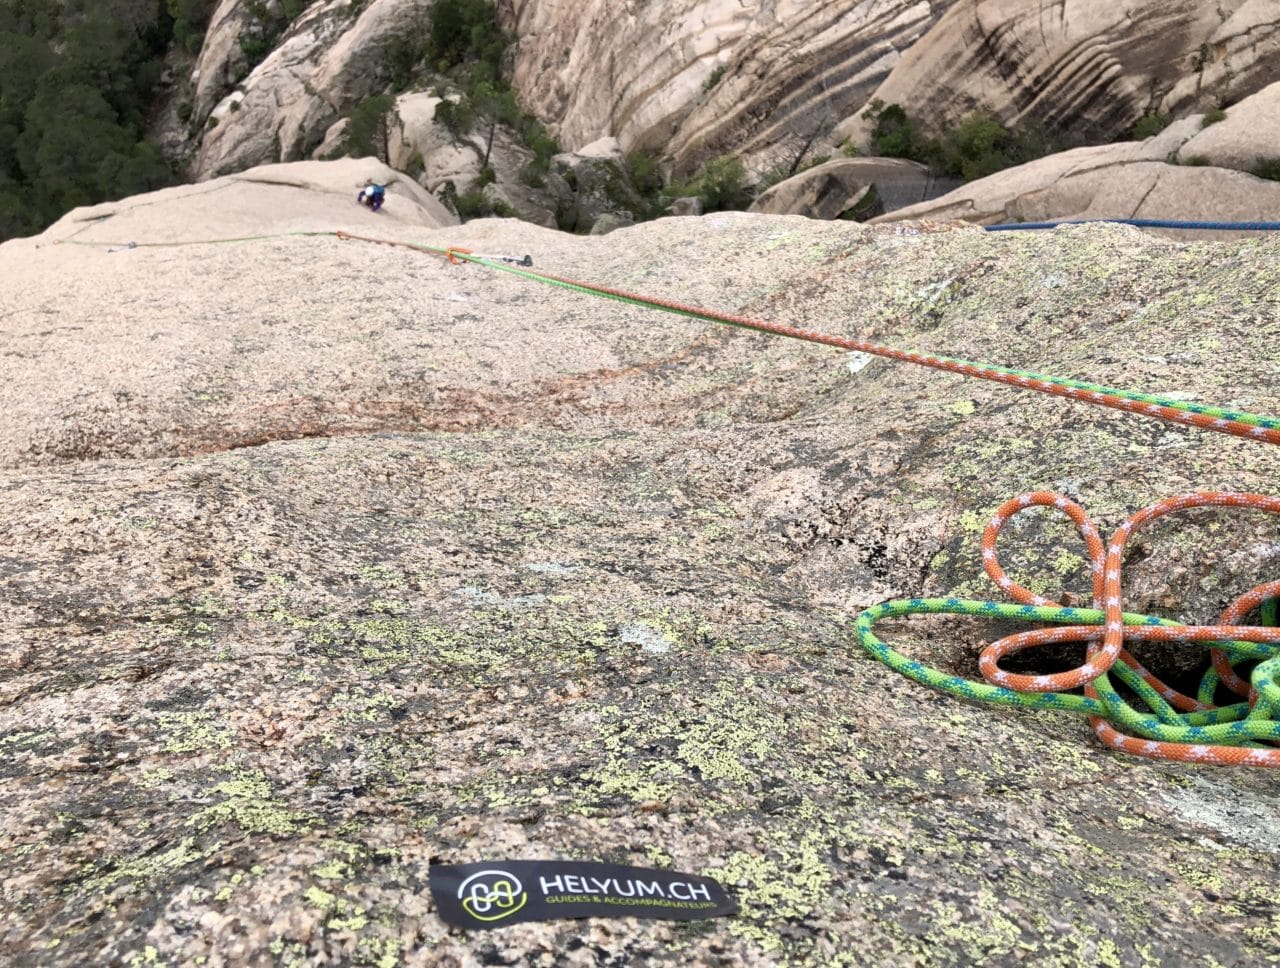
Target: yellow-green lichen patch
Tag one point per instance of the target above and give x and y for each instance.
(24, 740)
(247, 801)
(151, 779)
(142, 869)
(194, 732)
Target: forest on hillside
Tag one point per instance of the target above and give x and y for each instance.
(77, 79)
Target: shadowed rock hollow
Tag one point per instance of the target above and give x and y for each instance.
(323, 561)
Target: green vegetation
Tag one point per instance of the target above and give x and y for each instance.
(368, 127)
(896, 135)
(474, 203)
(721, 185)
(190, 17)
(464, 45)
(867, 207)
(465, 33)
(643, 171)
(76, 77)
(1150, 126)
(270, 23)
(1268, 168)
(1213, 116)
(978, 147)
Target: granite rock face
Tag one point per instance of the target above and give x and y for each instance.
(692, 80)
(1130, 179)
(780, 85)
(1239, 58)
(1086, 67)
(330, 58)
(447, 164)
(324, 561)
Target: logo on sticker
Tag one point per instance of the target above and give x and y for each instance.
(492, 895)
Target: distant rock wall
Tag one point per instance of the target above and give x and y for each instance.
(1240, 57)
(775, 82)
(1085, 67)
(696, 79)
(331, 58)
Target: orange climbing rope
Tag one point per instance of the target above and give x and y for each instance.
(1219, 420)
(1173, 726)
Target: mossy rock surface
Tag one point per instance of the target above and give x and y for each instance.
(324, 562)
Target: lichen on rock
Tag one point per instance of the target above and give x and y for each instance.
(325, 561)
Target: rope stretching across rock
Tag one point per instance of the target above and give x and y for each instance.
(1174, 726)
(1234, 422)
(1142, 223)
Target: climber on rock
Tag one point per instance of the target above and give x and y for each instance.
(372, 195)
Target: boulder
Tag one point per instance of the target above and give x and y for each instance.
(608, 222)
(685, 206)
(1248, 136)
(593, 183)
(846, 187)
(1124, 180)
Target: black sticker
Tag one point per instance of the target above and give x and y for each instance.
(494, 893)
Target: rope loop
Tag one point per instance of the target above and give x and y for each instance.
(1172, 725)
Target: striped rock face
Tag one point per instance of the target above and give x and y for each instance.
(699, 79)
(777, 84)
(1094, 67)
